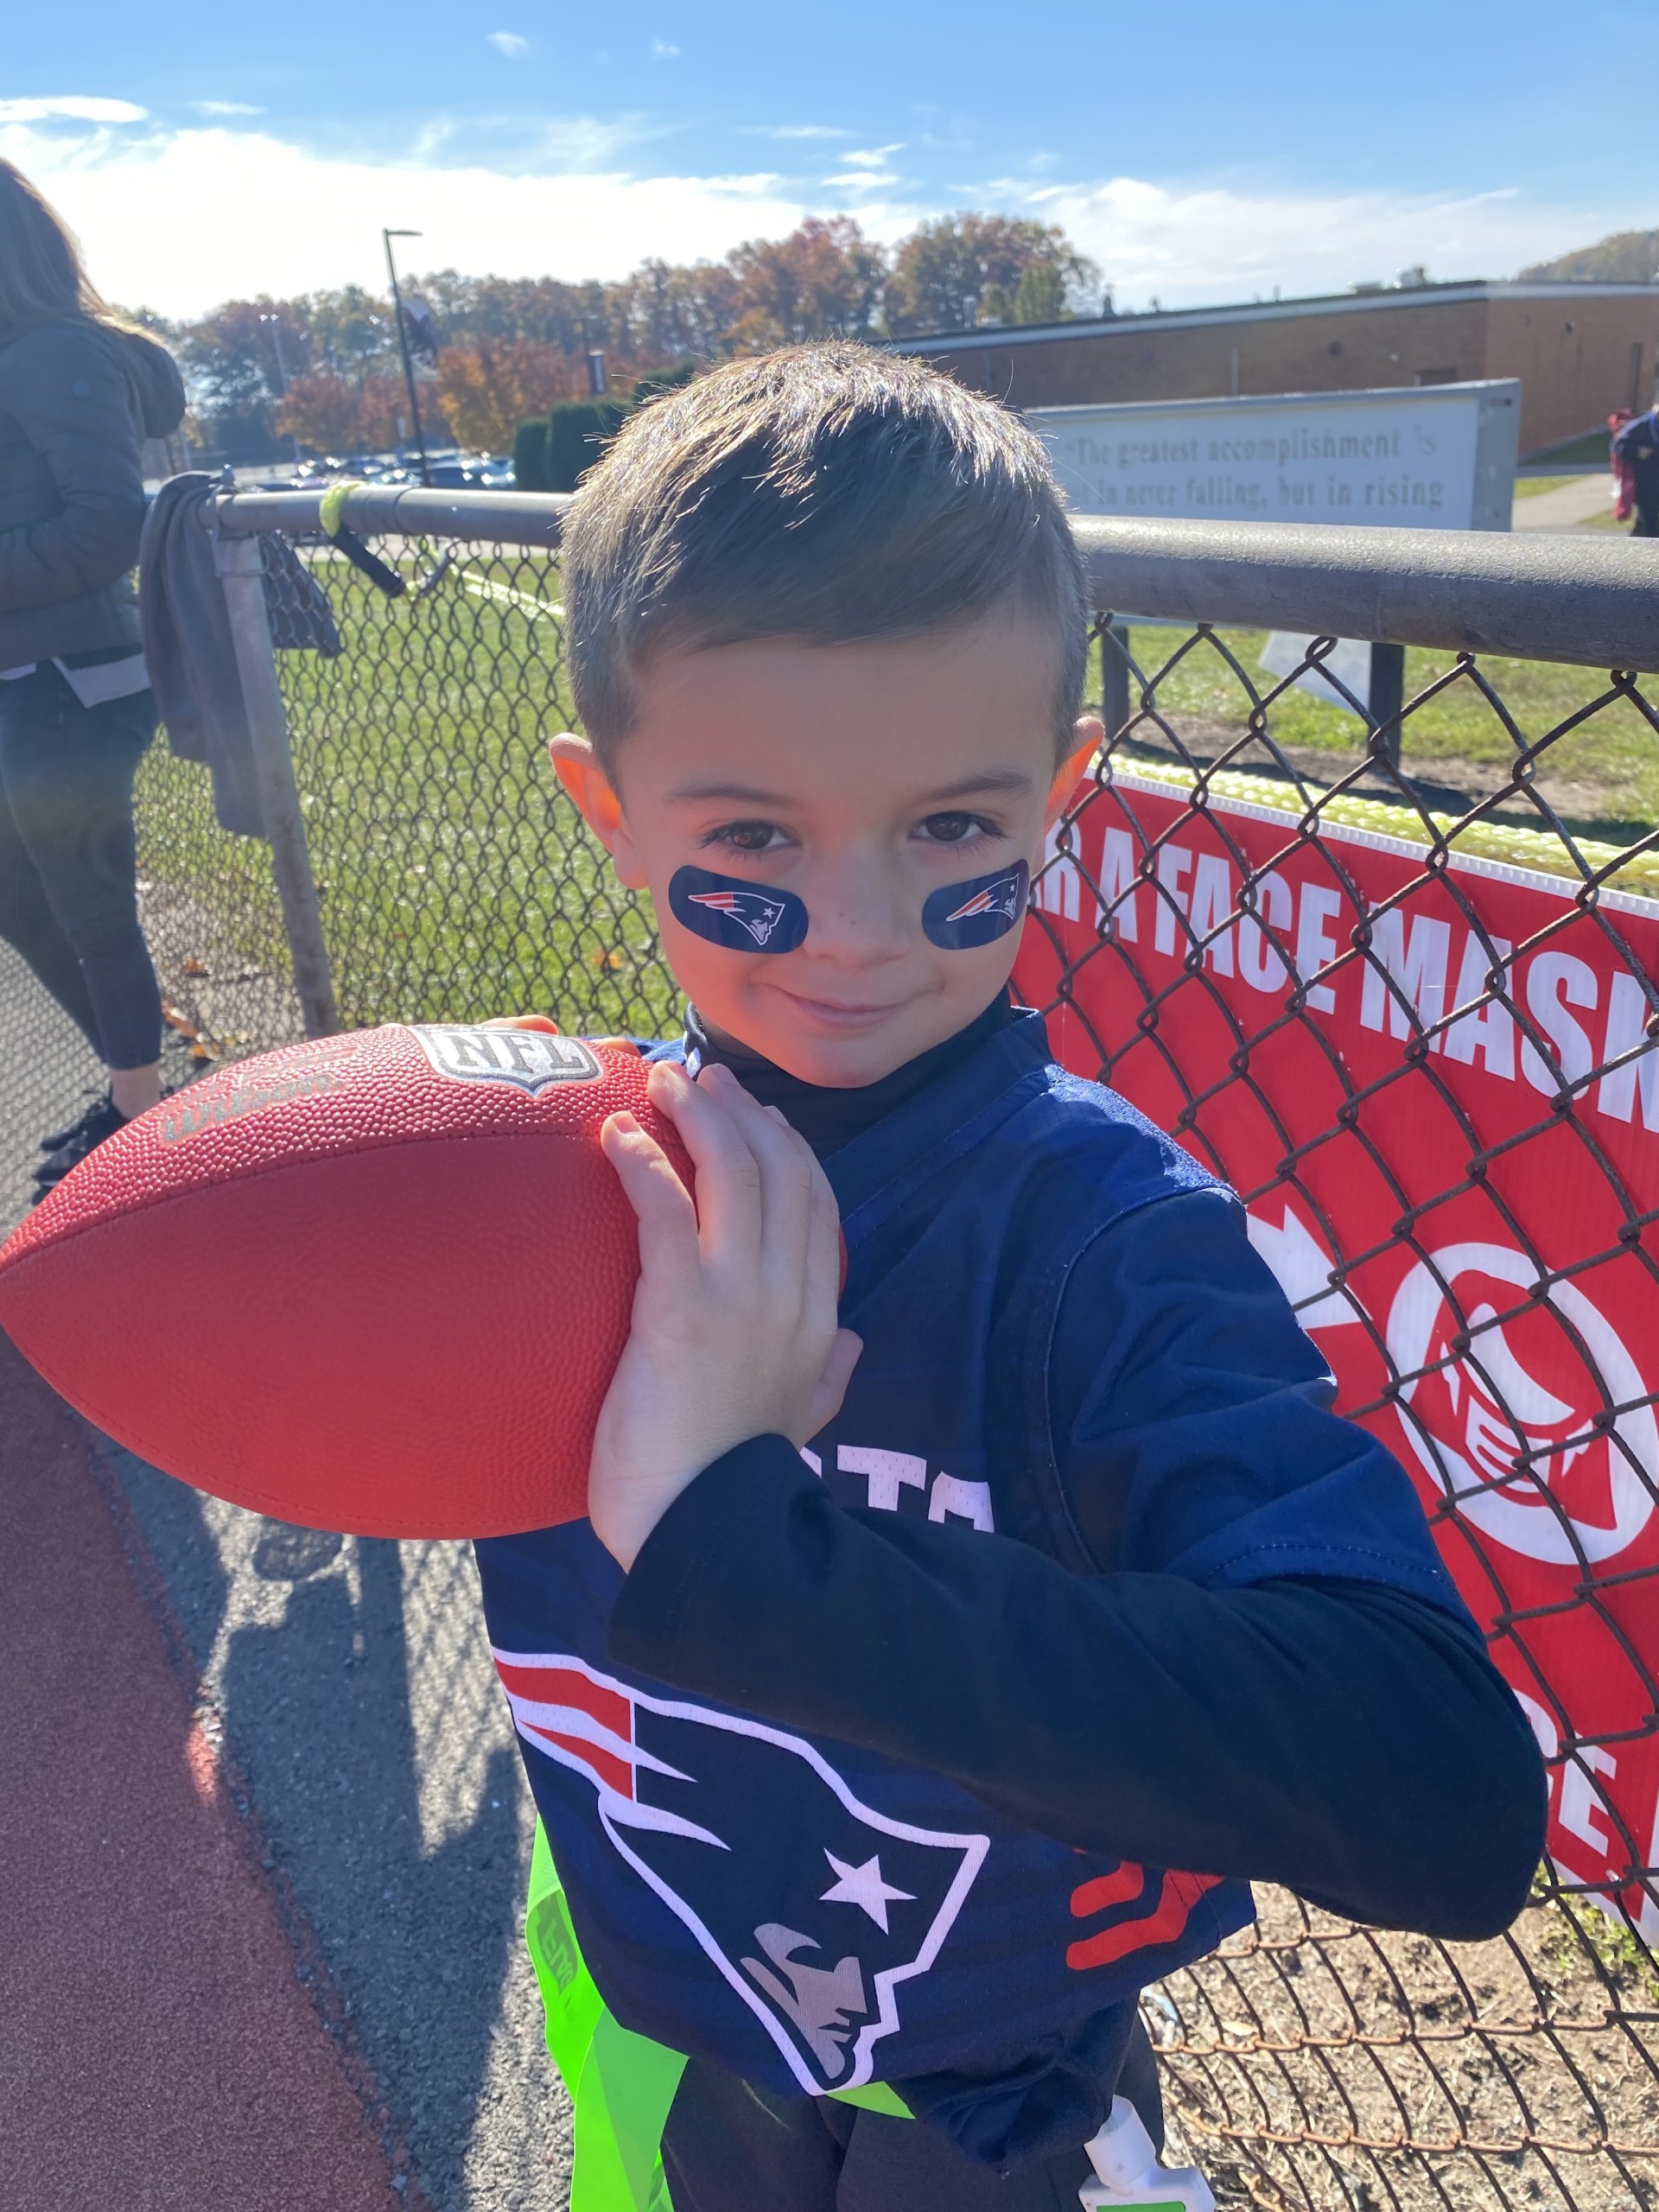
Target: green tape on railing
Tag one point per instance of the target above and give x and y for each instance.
(1541, 850)
(332, 511)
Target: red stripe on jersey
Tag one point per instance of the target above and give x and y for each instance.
(568, 1686)
(616, 1774)
(1180, 1893)
(1123, 1882)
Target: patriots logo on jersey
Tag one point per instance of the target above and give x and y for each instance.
(816, 1940)
(751, 910)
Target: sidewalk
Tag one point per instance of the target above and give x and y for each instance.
(159, 2052)
(163, 2048)
(1568, 506)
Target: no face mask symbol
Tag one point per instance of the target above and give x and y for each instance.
(964, 915)
(743, 917)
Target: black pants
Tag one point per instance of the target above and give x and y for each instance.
(68, 860)
(729, 2147)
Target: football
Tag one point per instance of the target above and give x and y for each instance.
(376, 1283)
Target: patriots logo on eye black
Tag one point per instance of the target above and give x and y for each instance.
(737, 915)
(753, 911)
(816, 1940)
(1003, 897)
(964, 915)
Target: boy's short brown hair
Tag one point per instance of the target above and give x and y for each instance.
(827, 493)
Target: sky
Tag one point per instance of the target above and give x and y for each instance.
(1198, 150)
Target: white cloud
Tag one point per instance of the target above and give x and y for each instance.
(662, 51)
(180, 219)
(1198, 244)
(71, 110)
(225, 107)
(864, 180)
(873, 157)
(507, 42)
(791, 130)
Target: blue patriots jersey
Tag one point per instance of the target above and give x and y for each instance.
(812, 1915)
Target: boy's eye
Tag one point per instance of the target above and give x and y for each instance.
(955, 829)
(747, 836)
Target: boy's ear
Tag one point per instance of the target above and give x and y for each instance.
(590, 789)
(1090, 733)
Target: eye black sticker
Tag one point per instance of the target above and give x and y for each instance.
(964, 915)
(743, 917)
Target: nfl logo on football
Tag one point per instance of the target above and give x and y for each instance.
(530, 1059)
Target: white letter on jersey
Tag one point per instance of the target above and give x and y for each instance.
(885, 1470)
(966, 1501)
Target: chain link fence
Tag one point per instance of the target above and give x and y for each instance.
(1395, 983)
(454, 874)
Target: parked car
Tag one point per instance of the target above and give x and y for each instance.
(468, 476)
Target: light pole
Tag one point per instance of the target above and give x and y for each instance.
(275, 322)
(403, 344)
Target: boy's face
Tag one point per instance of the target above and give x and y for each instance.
(861, 778)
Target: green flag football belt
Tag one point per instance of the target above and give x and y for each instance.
(620, 2084)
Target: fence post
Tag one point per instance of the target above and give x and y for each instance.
(241, 574)
(1387, 695)
(1114, 679)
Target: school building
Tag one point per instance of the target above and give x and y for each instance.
(1581, 350)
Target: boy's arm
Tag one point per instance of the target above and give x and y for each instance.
(1346, 1740)
(1343, 1732)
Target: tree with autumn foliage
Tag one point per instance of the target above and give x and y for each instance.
(486, 389)
(334, 414)
(514, 348)
(822, 281)
(964, 270)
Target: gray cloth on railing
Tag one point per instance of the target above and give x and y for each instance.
(188, 648)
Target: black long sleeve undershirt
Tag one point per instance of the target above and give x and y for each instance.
(1344, 1737)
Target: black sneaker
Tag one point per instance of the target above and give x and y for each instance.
(59, 1138)
(101, 1122)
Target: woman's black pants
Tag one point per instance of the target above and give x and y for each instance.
(68, 859)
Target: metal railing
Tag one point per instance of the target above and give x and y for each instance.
(1393, 974)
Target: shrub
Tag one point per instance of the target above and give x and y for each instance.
(530, 455)
(575, 430)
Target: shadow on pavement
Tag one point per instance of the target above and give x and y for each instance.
(318, 1708)
(399, 1823)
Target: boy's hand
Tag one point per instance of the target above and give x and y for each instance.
(734, 1332)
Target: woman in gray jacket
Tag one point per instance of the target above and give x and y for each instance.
(79, 390)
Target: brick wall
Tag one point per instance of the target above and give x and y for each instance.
(1574, 359)
(1574, 356)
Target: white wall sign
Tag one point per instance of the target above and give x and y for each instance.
(1438, 457)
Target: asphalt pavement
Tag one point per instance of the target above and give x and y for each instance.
(343, 1691)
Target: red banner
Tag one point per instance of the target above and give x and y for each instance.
(1453, 1181)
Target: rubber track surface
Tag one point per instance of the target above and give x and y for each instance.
(156, 2049)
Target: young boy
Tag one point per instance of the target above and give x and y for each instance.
(924, 1683)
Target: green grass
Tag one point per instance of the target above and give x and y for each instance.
(458, 881)
(1589, 448)
(1612, 760)
(1528, 487)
